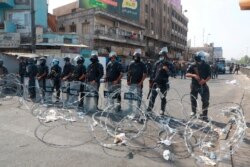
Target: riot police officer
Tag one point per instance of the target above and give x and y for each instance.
(31, 74)
(68, 69)
(55, 75)
(114, 75)
(22, 69)
(3, 69)
(95, 72)
(159, 79)
(200, 73)
(137, 73)
(42, 74)
(79, 74)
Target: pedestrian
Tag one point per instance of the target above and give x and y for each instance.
(79, 74)
(136, 75)
(114, 73)
(94, 73)
(42, 74)
(55, 75)
(31, 74)
(159, 79)
(183, 68)
(200, 72)
(3, 69)
(237, 68)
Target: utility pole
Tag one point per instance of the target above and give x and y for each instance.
(33, 27)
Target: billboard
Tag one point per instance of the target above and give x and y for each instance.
(176, 3)
(129, 9)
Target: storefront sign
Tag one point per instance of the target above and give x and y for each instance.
(9, 40)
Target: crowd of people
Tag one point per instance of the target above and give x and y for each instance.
(74, 70)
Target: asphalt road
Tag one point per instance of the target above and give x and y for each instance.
(73, 144)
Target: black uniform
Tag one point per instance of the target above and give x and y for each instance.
(113, 72)
(22, 71)
(79, 70)
(3, 70)
(42, 70)
(31, 73)
(55, 75)
(136, 70)
(203, 70)
(67, 69)
(95, 73)
(159, 78)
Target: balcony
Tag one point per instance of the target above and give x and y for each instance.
(6, 3)
(114, 37)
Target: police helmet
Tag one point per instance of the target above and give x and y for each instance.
(79, 60)
(55, 62)
(163, 51)
(94, 56)
(94, 53)
(112, 54)
(200, 56)
(42, 60)
(137, 52)
(67, 59)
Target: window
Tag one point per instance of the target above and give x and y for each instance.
(45, 40)
(152, 12)
(73, 27)
(67, 40)
(164, 7)
(62, 28)
(146, 8)
(164, 19)
(146, 23)
(152, 26)
(85, 28)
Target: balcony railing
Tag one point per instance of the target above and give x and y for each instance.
(7, 3)
(133, 39)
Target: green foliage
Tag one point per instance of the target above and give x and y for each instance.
(244, 60)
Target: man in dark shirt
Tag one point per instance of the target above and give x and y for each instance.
(55, 75)
(114, 76)
(3, 69)
(95, 72)
(200, 73)
(137, 73)
(67, 69)
(22, 69)
(31, 73)
(159, 79)
(42, 74)
(79, 74)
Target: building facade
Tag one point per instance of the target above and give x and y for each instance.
(101, 30)
(15, 21)
(169, 29)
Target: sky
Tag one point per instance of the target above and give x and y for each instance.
(221, 21)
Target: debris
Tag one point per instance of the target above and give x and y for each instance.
(233, 82)
(167, 155)
(120, 139)
(166, 142)
(207, 161)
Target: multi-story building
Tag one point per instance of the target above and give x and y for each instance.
(102, 29)
(165, 25)
(15, 21)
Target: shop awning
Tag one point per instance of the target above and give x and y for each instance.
(25, 55)
(245, 4)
